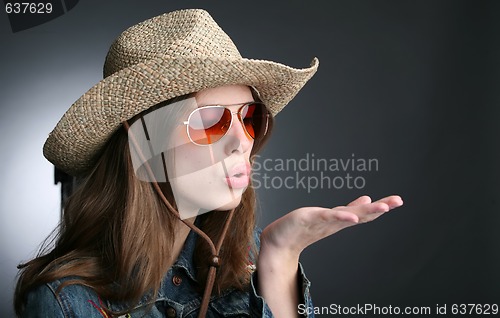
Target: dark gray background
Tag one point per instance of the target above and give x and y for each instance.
(414, 84)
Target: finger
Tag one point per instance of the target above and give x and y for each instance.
(330, 216)
(361, 200)
(392, 201)
(374, 210)
(344, 216)
(363, 215)
(370, 217)
(364, 210)
(369, 212)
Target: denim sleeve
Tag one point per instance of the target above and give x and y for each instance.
(258, 305)
(73, 301)
(42, 303)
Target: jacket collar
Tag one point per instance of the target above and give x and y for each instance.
(183, 262)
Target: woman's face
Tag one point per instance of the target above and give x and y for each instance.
(211, 177)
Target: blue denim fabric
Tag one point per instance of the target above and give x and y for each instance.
(174, 300)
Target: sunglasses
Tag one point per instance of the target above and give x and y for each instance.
(208, 124)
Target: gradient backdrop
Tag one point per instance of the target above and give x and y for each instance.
(413, 84)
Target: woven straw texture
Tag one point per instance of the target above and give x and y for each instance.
(161, 58)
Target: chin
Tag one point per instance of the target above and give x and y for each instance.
(230, 205)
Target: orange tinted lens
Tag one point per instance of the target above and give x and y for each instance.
(254, 119)
(208, 125)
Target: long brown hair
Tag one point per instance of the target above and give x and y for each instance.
(116, 235)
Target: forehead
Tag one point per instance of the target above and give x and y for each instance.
(224, 95)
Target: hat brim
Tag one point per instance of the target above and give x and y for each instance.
(88, 124)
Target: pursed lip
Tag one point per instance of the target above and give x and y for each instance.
(239, 175)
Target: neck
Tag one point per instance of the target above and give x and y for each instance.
(181, 233)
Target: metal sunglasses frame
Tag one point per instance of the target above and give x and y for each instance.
(238, 112)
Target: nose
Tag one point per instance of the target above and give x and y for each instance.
(238, 139)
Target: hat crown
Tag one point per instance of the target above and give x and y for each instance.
(191, 33)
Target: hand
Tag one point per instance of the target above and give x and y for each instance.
(283, 240)
(292, 233)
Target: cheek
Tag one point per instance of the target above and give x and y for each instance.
(188, 158)
(183, 154)
(186, 161)
(179, 137)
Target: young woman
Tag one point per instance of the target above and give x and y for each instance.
(163, 222)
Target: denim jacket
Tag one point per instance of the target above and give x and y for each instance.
(177, 296)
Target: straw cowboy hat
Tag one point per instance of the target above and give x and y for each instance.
(161, 58)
